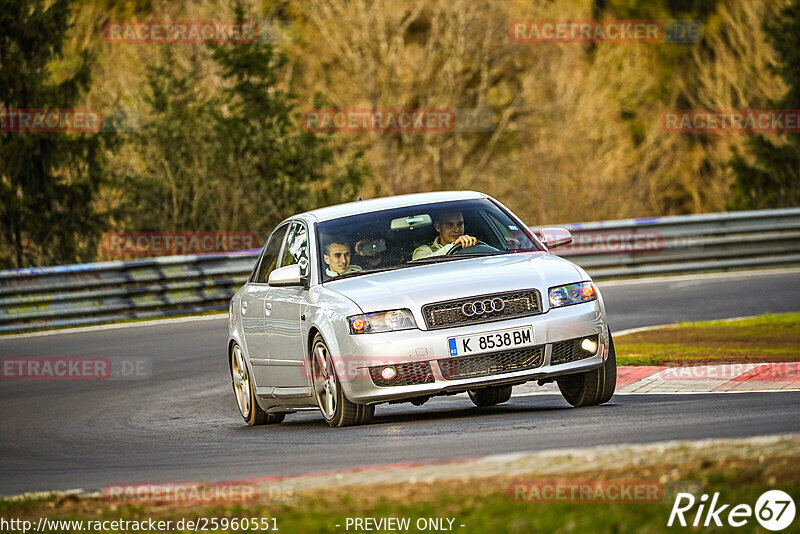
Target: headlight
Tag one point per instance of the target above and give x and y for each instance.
(572, 294)
(387, 321)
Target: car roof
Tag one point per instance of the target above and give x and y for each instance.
(377, 204)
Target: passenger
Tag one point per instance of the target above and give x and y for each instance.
(450, 226)
(371, 251)
(337, 256)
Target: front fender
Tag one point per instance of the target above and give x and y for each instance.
(329, 313)
(324, 323)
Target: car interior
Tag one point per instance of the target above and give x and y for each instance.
(395, 234)
(401, 240)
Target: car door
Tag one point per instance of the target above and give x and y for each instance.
(254, 311)
(285, 322)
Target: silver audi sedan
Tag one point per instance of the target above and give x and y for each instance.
(403, 298)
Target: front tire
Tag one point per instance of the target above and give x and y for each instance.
(242, 383)
(592, 387)
(336, 408)
(490, 396)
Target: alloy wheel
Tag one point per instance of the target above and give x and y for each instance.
(241, 381)
(325, 384)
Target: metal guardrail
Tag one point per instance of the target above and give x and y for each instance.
(94, 293)
(686, 243)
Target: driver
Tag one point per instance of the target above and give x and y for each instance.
(450, 226)
(337, 256)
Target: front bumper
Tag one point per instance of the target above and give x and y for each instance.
(369, 350)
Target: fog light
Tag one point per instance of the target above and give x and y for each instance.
(388, 373)
(589, 345)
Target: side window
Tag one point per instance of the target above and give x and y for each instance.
(296, 250)
(270, 259)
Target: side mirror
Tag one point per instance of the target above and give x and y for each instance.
(555, 237)
(287, 276)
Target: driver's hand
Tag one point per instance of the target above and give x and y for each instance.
(466, 241)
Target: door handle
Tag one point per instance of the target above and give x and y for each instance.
(267, 308)
(244, 308)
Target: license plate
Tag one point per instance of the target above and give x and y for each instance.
(491, 341)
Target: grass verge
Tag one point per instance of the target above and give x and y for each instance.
(482, 505)
(766, 338)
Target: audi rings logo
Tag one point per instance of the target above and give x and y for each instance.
(481, 307)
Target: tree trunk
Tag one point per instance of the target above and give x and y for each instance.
(18, 245)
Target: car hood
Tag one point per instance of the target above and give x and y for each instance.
(412, 287)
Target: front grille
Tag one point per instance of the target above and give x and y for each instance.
(407, 374)
(569, 351)
(450, 313)
(491, 364)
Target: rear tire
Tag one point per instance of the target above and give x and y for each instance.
(490, 396)
(593, 387)
(336, 408)
(242, 383)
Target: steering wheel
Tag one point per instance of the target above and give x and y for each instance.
(480, 246)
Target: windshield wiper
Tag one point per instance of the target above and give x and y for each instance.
(447, 257)
(474, 254)
(358, 273)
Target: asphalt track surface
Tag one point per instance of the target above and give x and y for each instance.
(181, 423)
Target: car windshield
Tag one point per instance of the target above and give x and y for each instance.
(404, 237)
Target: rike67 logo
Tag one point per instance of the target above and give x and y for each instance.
(774, 510)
